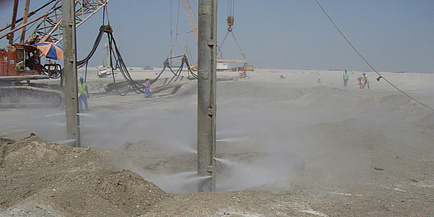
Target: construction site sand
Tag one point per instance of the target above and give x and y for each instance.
(287, 145)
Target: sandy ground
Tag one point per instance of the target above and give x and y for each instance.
(286, 146)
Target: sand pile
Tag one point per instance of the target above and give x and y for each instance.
(46, 179)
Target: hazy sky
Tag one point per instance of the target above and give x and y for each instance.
(393, 35)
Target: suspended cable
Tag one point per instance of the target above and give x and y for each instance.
(230, 7)
(171, 21)
(426, 106)
(171, 54)
(224, 39)
(241, 51)
(177, 21)
(107, 14)
(115, 57)
(176, 74)
(103, 15)
(95, 46)
(137, 87)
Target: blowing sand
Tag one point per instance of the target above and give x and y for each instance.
(286, 146)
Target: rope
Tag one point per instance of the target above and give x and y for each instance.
(424, 105)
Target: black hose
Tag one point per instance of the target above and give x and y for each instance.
(116, 57)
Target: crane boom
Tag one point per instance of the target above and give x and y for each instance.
(48, 26)
(191, 19)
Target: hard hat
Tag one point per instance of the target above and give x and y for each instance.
(147, 78)
(364, 73)
(81, 78)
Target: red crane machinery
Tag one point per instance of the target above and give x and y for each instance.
(21, 62)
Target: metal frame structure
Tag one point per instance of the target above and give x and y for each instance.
(48, 26)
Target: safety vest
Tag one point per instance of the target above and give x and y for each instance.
(148, 84)
(345, 76)
(366, 78)
(82, 88)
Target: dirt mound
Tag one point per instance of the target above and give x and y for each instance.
(71, 181)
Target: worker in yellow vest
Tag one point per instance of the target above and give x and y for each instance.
(346, 77)
(365, 80)
(82, 94)
(148, 88)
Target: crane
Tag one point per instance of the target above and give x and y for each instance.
(190, 17)
(230, 23)
(194, 28)
(21, 62)
(48, 24)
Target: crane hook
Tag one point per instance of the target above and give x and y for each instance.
(230, 21)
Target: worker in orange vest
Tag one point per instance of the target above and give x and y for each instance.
(148, 88)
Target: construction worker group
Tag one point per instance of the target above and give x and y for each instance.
(363, 80)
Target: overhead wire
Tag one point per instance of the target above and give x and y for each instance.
(361, 56)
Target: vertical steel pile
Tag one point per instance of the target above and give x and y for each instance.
(70, 72)
(206, 106)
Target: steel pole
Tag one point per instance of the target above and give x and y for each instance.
(206, 100)
(70, 72)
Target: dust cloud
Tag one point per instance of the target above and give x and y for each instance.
(268, 130)
(158, 140)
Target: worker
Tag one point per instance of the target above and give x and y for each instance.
(82, 94)
(148, 88)
(29, 62)
(365, 80)
(360, 80)
(346, 77)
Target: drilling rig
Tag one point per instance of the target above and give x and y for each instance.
(20, 63)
